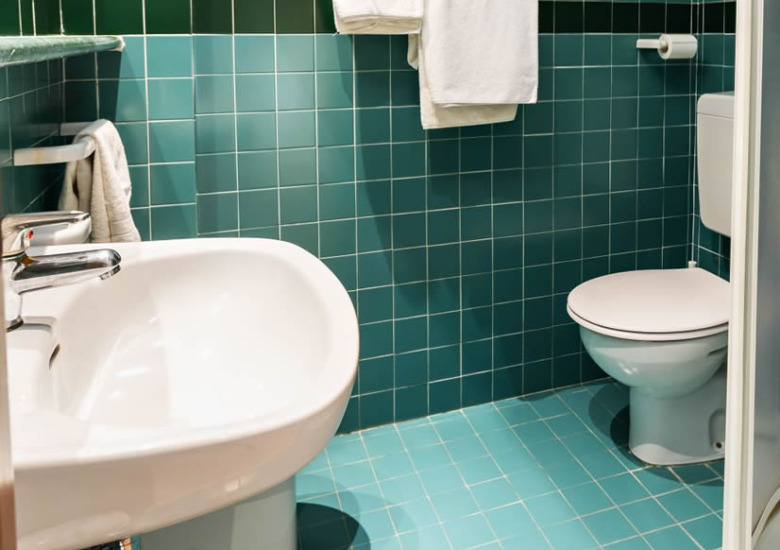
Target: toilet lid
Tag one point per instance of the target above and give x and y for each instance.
(654, 301)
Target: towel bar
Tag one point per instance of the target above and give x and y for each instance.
(35, 156)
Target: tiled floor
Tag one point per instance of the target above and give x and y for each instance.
(545, 471)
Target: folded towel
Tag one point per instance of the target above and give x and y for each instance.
(452, 116)
(378, 16)
(101, 186)
(481, 52)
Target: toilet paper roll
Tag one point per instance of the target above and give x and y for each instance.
(677, 46)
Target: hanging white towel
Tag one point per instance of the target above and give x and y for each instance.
(378, 16)
(101, 186)
(481, 52)
(452, 116)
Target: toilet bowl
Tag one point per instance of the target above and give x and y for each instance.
(664, 334)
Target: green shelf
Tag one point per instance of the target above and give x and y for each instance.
(15, 50)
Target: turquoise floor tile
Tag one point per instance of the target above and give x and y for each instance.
(413, 516)
(516, 412)
(454, 504)
(376, 526)
(609, 526)
(511, 521)
(672, 537)
(515, 460)
(313, 485)
(502, 442)
(567, 473)
(382, 441)
(566, 425)
(694, 473)
(353, 475)
(441, 480)
(707, 531)
(426, 458)
(454, 428)
(530, 540)
(493, 494)
(571, 535)
(317, 511)
(636, 543)
(601, 464)
(486, 418)
(711, 493)
(587, 498)
(466, 448)
(647, 515)
(479, 470)
(623, 489)
(402, 489)
(362, 499)
(347, 449)
(496, 476)
(425, 539)
(422, 436)
(531, 483)
(548, 453)
(534, 432)
(393, 465)
(468, 532)
(549, 509)
(658, 480)
(548, 405)
(683, 505)
(583, 444)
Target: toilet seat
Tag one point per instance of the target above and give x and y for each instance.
(653, 305)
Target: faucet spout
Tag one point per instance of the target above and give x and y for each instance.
(23, 273)
(40, 272)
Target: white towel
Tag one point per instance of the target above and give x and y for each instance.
(481, 52)
(101, 186)
(452, 116)
(378, 16)
(478, 59)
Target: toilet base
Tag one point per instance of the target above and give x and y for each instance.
(691, 428)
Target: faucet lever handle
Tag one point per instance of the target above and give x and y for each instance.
(16, 228)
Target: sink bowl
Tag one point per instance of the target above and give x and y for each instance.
(205, 372)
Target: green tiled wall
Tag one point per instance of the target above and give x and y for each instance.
(458, 246)
(715, 73)
(30, 110)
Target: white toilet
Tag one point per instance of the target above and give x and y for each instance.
(664, 333)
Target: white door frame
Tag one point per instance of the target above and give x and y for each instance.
(739, 513)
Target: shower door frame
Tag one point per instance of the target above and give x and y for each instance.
(753, 402)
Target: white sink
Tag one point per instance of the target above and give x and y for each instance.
(205, 372)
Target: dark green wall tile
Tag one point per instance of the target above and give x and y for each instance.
(78, 17)
(324, 17)
(47, 17)
(168, 16)
(212, 17)
(294, 16)
(9, 18)
(125, 17)
(254, 16)
(27, 16)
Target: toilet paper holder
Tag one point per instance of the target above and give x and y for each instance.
(663, 43)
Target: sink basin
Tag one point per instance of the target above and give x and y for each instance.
(205, 372)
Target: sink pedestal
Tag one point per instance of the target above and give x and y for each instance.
(264, 522)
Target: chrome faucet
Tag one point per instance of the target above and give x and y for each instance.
(23, 273)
